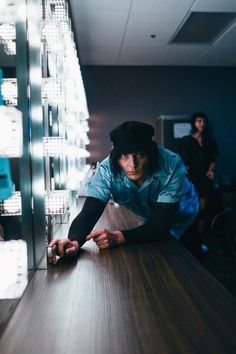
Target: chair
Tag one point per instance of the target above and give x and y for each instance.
(224, 225)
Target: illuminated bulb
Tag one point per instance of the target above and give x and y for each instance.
(9, 91)
(73, 182)
(10, 47)
(81, 175)
(59, 8)
(52, 90)
(11, 206)
(7, 32)
(8, 37)
(83, 153)
(54, 146)
(11, 132)
(8, 11)
(56, 202)
(51, 34)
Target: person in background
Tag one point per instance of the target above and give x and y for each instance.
(145, 178)
(199, 152)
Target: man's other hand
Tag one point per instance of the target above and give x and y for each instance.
(105, 238)
(63, 248)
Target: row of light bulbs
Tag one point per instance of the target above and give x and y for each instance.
(56, 203)
(63, 88)
(11, 138)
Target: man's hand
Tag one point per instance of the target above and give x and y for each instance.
(210, 174)
(211, 171)
(63, 248)
(105, 238)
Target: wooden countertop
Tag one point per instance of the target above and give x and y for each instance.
(148, 298)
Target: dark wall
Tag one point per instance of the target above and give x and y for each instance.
(116, 94)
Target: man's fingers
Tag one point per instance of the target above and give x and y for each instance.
(51, 253)
(71, 251)
(102, 237)
(103, 243)
(61, 248)
(105, 238)
(53, 243)
(64, 247)
(103, 247)
(96, 233)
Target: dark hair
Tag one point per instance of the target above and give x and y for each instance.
(152, 160)
(196, 115)
(207, 132)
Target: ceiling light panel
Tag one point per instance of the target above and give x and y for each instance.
(228, 38)
(181, 54)
(214, 5)
(204, 27)
(215, 56)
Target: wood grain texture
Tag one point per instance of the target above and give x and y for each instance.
(136, 299)
(7, 307)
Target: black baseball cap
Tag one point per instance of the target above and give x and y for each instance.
(131, 137)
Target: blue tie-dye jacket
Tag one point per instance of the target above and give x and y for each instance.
(167, 184)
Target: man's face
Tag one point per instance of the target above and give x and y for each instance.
(134, 166)
(200, 124)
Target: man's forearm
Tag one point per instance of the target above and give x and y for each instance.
(157, 227)
(86, 219)
(145, 233)
(212, 167)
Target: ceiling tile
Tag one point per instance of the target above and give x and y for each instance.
(98, 55)
(108, 30)
(101, 27)
(139, 54)
(181, 54)
(155, 17)
(82, 5)
(161, 5)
